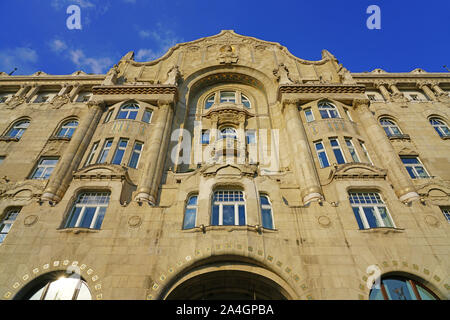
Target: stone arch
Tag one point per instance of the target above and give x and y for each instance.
(219, 267)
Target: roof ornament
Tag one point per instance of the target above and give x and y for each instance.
(282, 75)
(228, 55)
(173, 75)
(111, 76)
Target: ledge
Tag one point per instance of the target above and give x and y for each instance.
(400, 137)
(9, 139)
(257, 228)
(78, 230)
(55, 138)
(384, 230)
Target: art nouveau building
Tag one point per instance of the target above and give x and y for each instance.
(227, 169)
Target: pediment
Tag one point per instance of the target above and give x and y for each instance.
(229, 170)
(357, 171)
(408, 152)
(103, 172)
(434, 190)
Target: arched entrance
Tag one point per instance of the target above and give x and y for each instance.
(229, 281)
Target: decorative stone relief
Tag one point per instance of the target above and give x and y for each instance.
(173, 76)
(228, 55)
(30, 220)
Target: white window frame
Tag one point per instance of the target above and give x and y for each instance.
(391, 124)
(347, 113)
(210, 99)
(108, 115)
(350, 148)
(228, 135)
(46, 167)
(21, 126)
(105, 149)
(244, 97)
(364, 149)
(83, 209)
(378, 217)
(136, 151)
(438, 126)
(413, 165)
(327, 106)
(147, 110)
(311, 117)
(229, 99)
(266, 207)
(190, 207)
(128, 108)
(338, 147)
(320, 151)
(91, 154)
(69, 124)
(446, 213)
(119, 148)
(9, 218)
(236, 204)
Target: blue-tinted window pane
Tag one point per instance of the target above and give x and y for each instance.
(205, 137)
(424, 294)
(339, 157)
(398, 290)
(370, 217)
(133, 115)
(323, 160)
(189, 218)
(215, 216)
(241, 215)
(411, 172)
(324, 114)
(228, 215)
(319, 146)
(100, 217)
(192, 201)
(264, 200)
(410, 160)
(334, 113)
(376, 294)
(118, 156)
(421, 172)
(385, 217)
(122, 115)
(358, 218)
(87, 217)
(267, 218)
(147, 116)
(73, 218)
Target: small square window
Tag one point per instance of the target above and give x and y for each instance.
(205, 136)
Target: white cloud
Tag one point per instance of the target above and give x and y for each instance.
(96, 65)
(163, 40)
(57, 45)
(22, 58)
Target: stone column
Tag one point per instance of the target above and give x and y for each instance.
(440, 94)
(397, 173)
(70, 160)
(384, 91)
(155, 155)
(34, 89)
(397, 95)
(301, 153)
(75, 90)
(425, 87)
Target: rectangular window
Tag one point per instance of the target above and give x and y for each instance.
(91, 154)
(363, 147)
(370, 210)
(251, 136)
(89, 210)
(147, 117)
(108, 116)
(371, 97)
(44, 168)
(351, 149)
(205, 136)
(414, 167)
(446, 212)
(321, 154)
(228, 208)
(309, 115)
(84, 96)
(136, 155)
(337, 151)
(7, 222)
(120, 151)
(105, 150)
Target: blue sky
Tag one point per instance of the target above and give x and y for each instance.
(413, 34)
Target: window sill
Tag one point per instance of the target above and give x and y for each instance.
(55, 138)
(78, 230)
(445, 137)
(400, 137)
(202, 228)
(384, 230)
(9, 139)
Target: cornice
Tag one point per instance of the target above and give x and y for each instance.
(139, 89)
(322, 88)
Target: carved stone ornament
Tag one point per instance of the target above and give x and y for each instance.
(282, 75)
(173, 76)
(59, 101)
(111, 76)
(15, 102)
(25, 190)
(227, 55)
(30, 220)
(134, 221)
(345, 75)
(357, 171)
(231, 170)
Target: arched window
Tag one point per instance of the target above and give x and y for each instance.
(228, 208)
(128, 111)
(210, 101)
(390, 127)
(190, 213)
(18, 129)
(245, 101)
(88, 211)
(266, 212)
(401, 288)
(228, 133)
(67, 129)
(7, 221)
(440, 127)
(328, 110)
(56, 286)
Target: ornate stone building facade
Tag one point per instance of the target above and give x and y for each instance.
(228, 168)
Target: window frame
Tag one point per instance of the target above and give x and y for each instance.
(337, 148)
(65, 126)
(266, 207)
(6, 220)
(412, 283)
(147, 111)
(350, 148)
(91, 154)
(376, 212)
(134, 108)
(19, 127)
(446, 212)
(138, 152)
(76, 204)
(318, 152)
(227, 135)
(104, 152)
(413, 167)
(366, 153)
(187, 207)
(326, 106)
(119, 148)
(438, 127)
(235, 203)
(311, 115)
(390, 128)
(39, 165)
